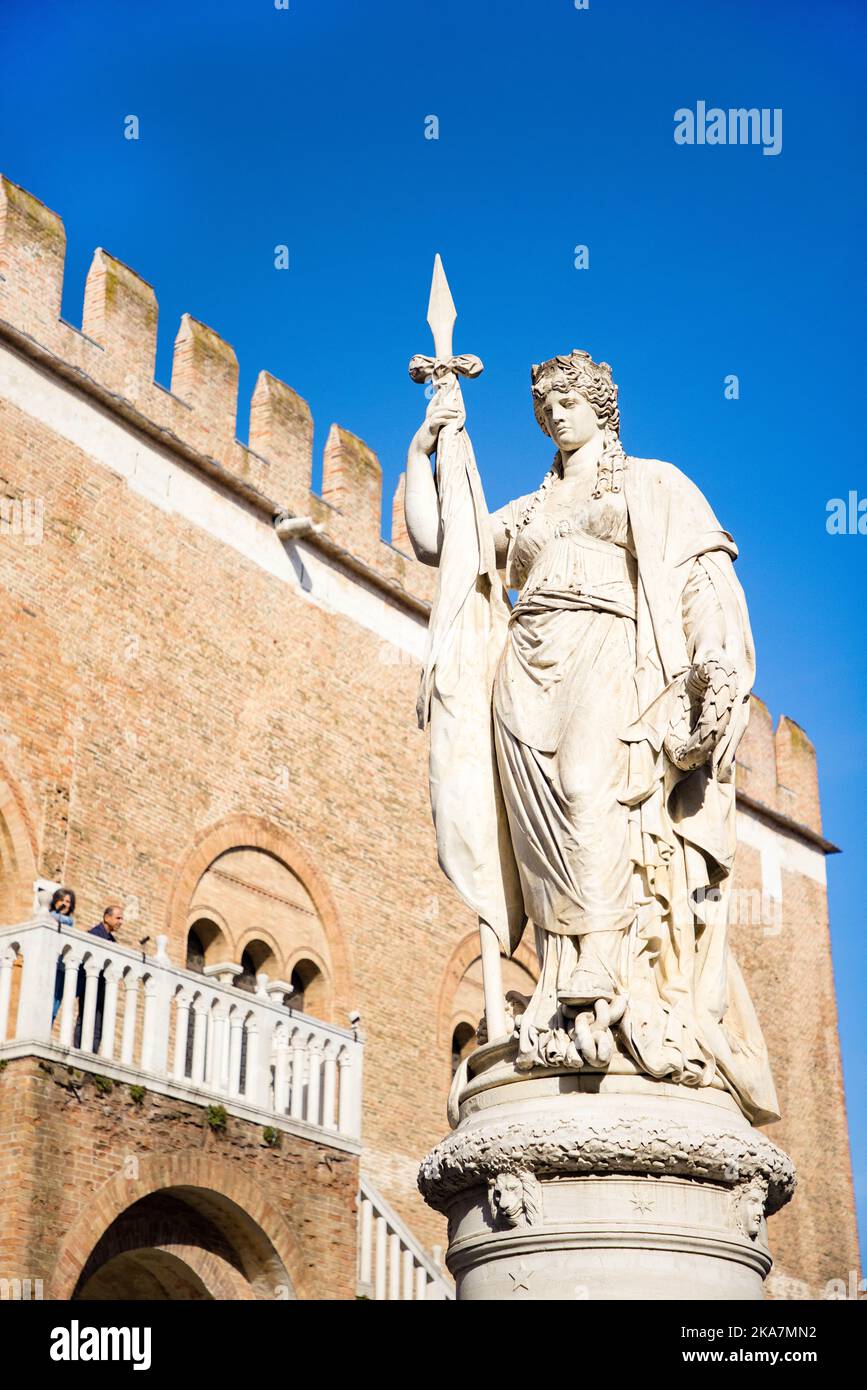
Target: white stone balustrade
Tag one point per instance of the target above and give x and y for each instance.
(392, 1265)
(181, 1033)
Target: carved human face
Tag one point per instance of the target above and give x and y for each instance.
(571, 419)
(754, 1210)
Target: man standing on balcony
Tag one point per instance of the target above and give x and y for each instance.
(112, 921)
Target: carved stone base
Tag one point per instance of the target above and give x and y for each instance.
(603, 1186)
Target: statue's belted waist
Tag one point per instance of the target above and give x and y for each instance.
(576, 570)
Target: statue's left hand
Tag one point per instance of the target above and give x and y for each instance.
(709, 693)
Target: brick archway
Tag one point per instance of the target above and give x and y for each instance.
(194, 1273)
(252, 1226)
(255, 832)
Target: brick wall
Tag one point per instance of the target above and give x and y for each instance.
(74, 1158)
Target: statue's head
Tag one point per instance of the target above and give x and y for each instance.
(574, 398)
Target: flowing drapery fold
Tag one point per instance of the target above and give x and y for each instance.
(467, 631)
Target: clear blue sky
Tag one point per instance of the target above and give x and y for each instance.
(305, 127)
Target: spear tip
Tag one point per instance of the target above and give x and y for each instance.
(441, 311)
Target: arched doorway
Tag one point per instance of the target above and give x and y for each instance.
(147, 1274)
(183, 1244)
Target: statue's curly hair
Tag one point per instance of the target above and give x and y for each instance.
(595, 383)
(592, 379)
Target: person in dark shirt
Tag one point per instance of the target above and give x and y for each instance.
(112, 921)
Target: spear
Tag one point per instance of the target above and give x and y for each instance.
(465, 798)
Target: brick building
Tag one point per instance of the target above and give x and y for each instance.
(207, 669)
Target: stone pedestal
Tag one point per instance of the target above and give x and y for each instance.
(591, 1185)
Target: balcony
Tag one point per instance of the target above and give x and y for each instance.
(144, 1021)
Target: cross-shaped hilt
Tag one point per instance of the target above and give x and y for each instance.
(443, 367)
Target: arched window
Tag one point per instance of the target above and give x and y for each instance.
(307, 988)
(463, 1042)
(205, 943)
(256, 958)
(195, 952)
(247, 978)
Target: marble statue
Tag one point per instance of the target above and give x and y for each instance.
(582, 757)
(583, 741)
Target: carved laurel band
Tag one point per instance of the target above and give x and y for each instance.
(639, 1145)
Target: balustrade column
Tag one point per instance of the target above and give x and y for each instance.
(281, 1073)
(408, 1262)
(394, 1267)
(130, 1014)
(91, 988)
(71, 963)
(155, 1024)
(200, 1038)
(236, 1046)
(314, 1065)
(7, 961)
(346, 1100)
(379, 1287)
(218, 1060)
(182, 1032)
(365, 1242)
(296, 1106)
(111, 975)
(420, 1283)
(329, 1087)
(255, 1087)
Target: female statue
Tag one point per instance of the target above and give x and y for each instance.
(582, 769)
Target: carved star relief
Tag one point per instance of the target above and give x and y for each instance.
(521, 1278)
(643, 1204)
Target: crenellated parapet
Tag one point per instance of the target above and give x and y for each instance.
(777, 767)
(112, 360)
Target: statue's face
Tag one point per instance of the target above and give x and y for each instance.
(754, 1210)
(570, 417)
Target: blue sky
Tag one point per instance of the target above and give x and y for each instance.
(306, 127)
